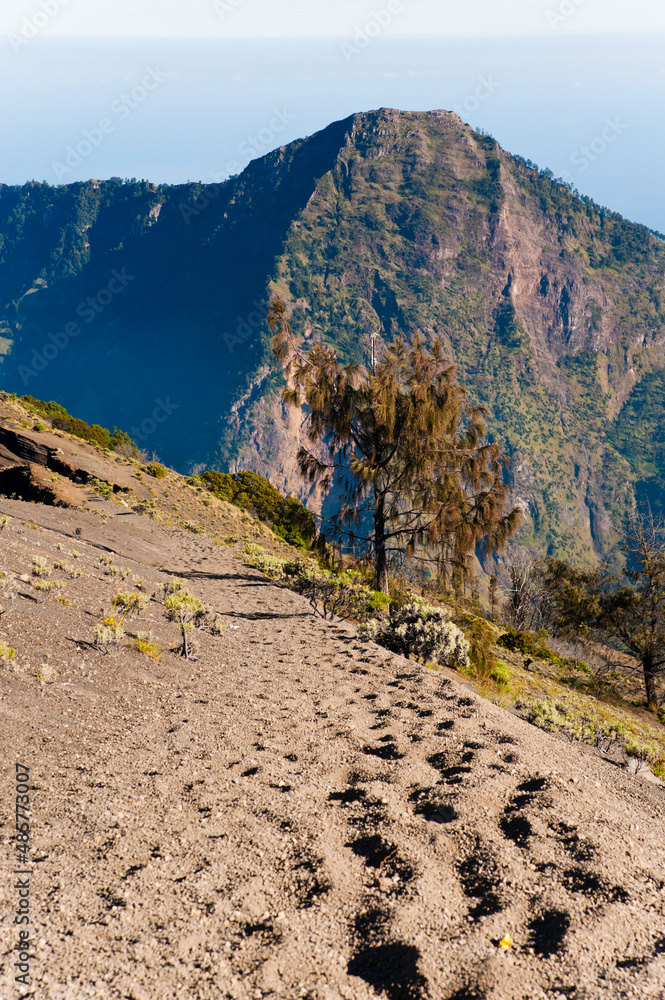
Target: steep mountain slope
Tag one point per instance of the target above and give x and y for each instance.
(387, 222)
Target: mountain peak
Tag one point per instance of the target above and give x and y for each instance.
(114, 295)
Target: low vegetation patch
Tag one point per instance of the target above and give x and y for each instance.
(59, 418)
(345, 594)
(40, 567)
(530, 644)
(129, 604)
(46, 674)
(6, 652)
(585, 719)
(148, 645)
(106, 634)
(156, 470)
(289, 519)
(500, 674)
(49, 585)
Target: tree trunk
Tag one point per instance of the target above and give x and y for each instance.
(650, 680)
(380, 557)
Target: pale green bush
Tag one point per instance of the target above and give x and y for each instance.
(8, 588)
(217, 626)
(49, 585)
(107, 635)
(6, 652)
(46, 673)
(422, 631)
(171, 586)
(73, 571)
(40, 567)
(188, 611)
(129, 603)
(544, 713)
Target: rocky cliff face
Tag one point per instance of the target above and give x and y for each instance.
(385, 223)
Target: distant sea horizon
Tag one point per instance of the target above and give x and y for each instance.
(587, 108)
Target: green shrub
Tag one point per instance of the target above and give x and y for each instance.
(73, 571)
(341, 594)
(40, 567)
(46, 674)
(102, 488)
(530, 644)
(544, 713)
(171, 586)
(249, 491)
(156, 470)
(107, 635)
(60, 418)
(189, 611)
(220, 484)
(500, 674)
(290, 536)
(183, 601)
(146, 644)
(661, 715)
(482, 641)
(49, 585)
(6, 652)
(129, 603)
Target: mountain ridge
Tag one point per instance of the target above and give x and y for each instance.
(387, 221)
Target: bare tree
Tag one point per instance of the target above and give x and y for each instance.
(528, 597)
(625, 610)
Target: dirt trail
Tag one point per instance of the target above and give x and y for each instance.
(299, 813)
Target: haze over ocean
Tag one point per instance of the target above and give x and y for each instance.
(589, 108)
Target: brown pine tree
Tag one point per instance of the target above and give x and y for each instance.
(404, 445)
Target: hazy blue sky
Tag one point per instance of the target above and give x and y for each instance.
(331, 18)
(173, 90)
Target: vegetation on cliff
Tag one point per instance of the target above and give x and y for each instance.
(551, 307)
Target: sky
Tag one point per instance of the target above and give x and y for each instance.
(331, 18)
(177, 90)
